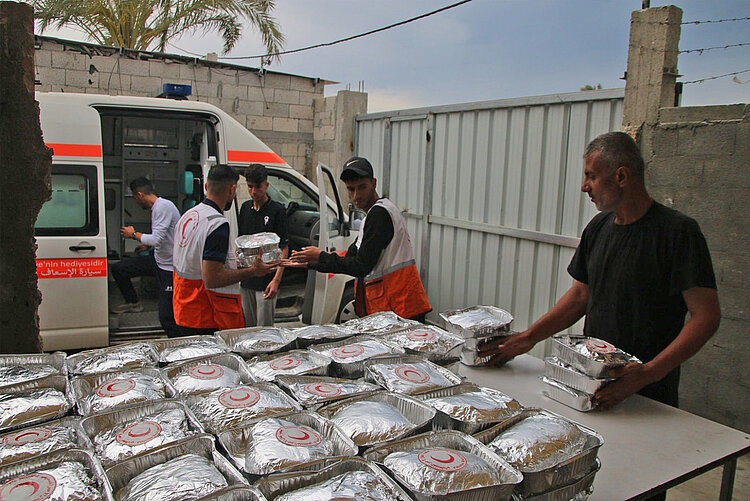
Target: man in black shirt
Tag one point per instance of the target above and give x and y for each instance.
(639, 268)
(261, 214)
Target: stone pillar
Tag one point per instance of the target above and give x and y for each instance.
(25, 172)
(652, 66)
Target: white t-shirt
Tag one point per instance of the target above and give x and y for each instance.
(164, 217)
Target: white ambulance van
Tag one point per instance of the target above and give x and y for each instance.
(100, 144)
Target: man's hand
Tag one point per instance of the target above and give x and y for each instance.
(306, 255)
(127, 231)
(260, 268)
(140, 248)
(630, 379)
(505, 348)
(271, 290)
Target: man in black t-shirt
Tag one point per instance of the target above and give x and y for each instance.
(639, 268)
(261, 214)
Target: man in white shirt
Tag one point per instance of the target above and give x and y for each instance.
(158, 262)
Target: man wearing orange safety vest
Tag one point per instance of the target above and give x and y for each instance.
(382, 258)
(206, 279)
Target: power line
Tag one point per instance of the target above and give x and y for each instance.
(353, 37)
(715, 77)
(185, 50)
(718, 20)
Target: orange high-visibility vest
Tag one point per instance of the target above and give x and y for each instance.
(195, 305)
(394, 283)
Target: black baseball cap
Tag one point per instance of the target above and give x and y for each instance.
(355, 168)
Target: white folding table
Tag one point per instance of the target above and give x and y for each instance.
(648, 446)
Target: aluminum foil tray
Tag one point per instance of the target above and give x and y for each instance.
(349, 355)
(472, 344)
(180, 349)
(274, 486)
(477, 321)
(544, 479)
(378, 324)
(48, 364)
(417, 413)
(451, 439)
(248, 246)
(203, 445)
(51, 391)
(555, 369)
(24, 468)
(202, 375)
(291, 363)
(317, 334)
(410, 374)
(136, 428)
(438, 345)
(52, 436)
(565, 395)
(249, 342)
(235, 493)
(566, 349)
(231, 407)
(120, 357)
(237, 441)
(445, 421)
(314, 391)
(472, 359)
(97, 388)
(577, 490)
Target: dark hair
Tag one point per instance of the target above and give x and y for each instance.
(222, 173)
(256, 173)
(618, 149)
(143, 185)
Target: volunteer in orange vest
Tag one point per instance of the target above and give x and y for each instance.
(382, 258)
(206, 279)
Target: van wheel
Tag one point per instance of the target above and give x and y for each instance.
(346, 307)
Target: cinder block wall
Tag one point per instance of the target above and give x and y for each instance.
(699, 163)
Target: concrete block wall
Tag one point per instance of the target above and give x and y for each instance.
(698, 162)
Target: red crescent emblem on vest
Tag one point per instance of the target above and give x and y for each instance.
(188, 227)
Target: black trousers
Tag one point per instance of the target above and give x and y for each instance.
(145, 266)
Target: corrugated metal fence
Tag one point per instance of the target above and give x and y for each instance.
(491, 193)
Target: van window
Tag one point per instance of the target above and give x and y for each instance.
(283, 190)
(73, 208)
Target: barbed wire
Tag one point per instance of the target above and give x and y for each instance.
(689, 51)
(701, 80)
(710, 21)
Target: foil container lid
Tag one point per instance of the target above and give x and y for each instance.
(57, 476)
(379, 323)
(208, 374)
(123, 356)
(409, 374)
(312, 334)
(433, 342)
(33, 402)
(471, 404)
(477, 321)
(601, 351)
(230, 407)
(186, 477)
(264, 240)
(185, 348)
(41, 439)
(356, 349)
(252, 341)
(106, 391)
(277, 443)
(291, 363)
(314, 390)
(349, 485)
(16, 369)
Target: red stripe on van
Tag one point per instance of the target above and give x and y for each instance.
(76, 150)
(266, 157)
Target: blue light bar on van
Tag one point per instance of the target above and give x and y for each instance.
(177, 89)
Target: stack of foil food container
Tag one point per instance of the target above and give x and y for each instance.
(248, 247)
(578, 367)
(477, 325)
(438, 345)
(249, 342)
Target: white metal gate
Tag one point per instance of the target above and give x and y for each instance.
(491, 193)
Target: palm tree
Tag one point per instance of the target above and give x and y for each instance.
(150, 24)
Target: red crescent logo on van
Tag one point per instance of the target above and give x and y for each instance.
(187, 227)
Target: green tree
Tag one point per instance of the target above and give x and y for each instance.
(150, 24)
(591, 87)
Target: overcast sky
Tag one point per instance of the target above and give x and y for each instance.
(489, 49)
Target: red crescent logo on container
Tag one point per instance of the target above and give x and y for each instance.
(239, 398)
(285, 363)
(599, 346)
(323, 389)
(27, 436)
(206, 371)
(187, 228)
(353, 350)
(138, 433)
(412, 374)
(421, 335)
(442, 459)
(298, 436)
(115, 387)
(35, 487)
